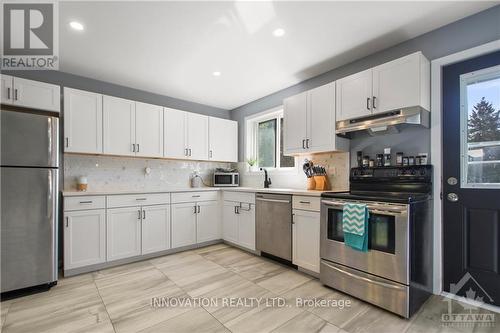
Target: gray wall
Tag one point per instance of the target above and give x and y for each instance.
(84, 83)
(471, 31)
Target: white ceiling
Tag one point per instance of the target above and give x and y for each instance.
(172, 48)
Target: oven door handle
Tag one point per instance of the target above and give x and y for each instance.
(365, 279)
(387, 210)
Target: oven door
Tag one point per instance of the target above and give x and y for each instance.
(388, 252)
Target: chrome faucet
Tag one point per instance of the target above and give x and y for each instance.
(267, 180)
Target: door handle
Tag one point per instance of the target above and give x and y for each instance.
(189, 151)
(236, 209)
(211, 155)
(185, 152)
(452, 197)
(199, 209)
(140, 215)
(368, 103)
(304, 144)
(133, 147)
(8, 93)
(307, 143)
(143, 214)
(195, 209)
(373, 102)
(138, 148)
(15, 94)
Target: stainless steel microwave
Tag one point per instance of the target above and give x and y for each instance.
(226, 179)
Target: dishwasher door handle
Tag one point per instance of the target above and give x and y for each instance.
(273, 200)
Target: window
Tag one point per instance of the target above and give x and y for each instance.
(480, 137)
(265, 140)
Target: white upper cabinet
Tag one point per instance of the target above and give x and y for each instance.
(175, 133)
(31, 94)
(119, 126)
(294, 122)
(197, 136)
(82, 121)
(223, 140)
(354, 95)
(309, 122)
(401, 83)
(148, 130)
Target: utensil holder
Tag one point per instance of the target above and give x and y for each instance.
(311, 183)
(322, 183)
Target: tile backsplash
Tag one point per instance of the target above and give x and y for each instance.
(336, 164)
(106, 173)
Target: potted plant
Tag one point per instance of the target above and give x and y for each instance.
(252, 164)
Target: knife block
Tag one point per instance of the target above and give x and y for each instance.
(311, 183)
(322, 183)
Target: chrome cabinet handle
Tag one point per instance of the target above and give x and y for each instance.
(15, 94)
(141, 199)
(368, 103)
(67, 142)
(210, 153)
(8, 93)
(138, 148)
(133, 147)
(140, 214)
(304, 144)
(307, 143)
(195, 196)
(67, 221)
(143, 214)
(189, 151)
(305, 202)
(195, 209)
(373, 102)
(236, 209)
(185, 152)
(86, 202)
(199, 209)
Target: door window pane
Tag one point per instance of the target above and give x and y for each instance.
(285, 161)
(266, 143)
(481, 128)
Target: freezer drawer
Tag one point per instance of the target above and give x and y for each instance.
(29, 140)
(28, 227)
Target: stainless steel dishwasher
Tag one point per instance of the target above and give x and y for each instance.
(273, 214)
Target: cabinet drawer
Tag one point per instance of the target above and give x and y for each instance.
(194, 196)
(137, 200)
(306, 203)
(84, 202)
(246, 197)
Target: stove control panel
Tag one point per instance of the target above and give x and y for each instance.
(415, 172)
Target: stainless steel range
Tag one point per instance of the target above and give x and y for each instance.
(396, 272)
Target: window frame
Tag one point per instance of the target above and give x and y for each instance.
(251, 128)
(465, 80)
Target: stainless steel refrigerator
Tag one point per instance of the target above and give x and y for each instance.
(29, 199)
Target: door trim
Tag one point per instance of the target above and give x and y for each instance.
(436, 150)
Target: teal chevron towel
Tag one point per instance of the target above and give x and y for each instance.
(355, 226)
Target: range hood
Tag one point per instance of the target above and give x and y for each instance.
(385, 122)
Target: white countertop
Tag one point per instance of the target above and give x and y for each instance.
(188, 189)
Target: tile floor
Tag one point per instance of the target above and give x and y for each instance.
(120, 300)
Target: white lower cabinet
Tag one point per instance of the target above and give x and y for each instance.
(84, 238)
(208, 226)
(155, 228)
(238, 221)
(123, 232)
(183, 224)
(305, 239)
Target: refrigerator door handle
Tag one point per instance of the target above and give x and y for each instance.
(50, 195)
(53, 133)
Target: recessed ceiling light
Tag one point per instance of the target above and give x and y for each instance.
(279, 32)
(76, 25)
(216, 73)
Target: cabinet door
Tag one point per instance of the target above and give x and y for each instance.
(305, 235)
(208, 221)
(197, 136)
(155, 228)
(84, 238)
(223, 139)
(148, 130)
(36, 95)
(396, 84)
(7, 89)
(294, 123)
(119, 126)
(175, 131)
(82, 121)
(246, 226)
(229, 222)
(183, 224)
(123, 232)
(354, 95)
(321, 119)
